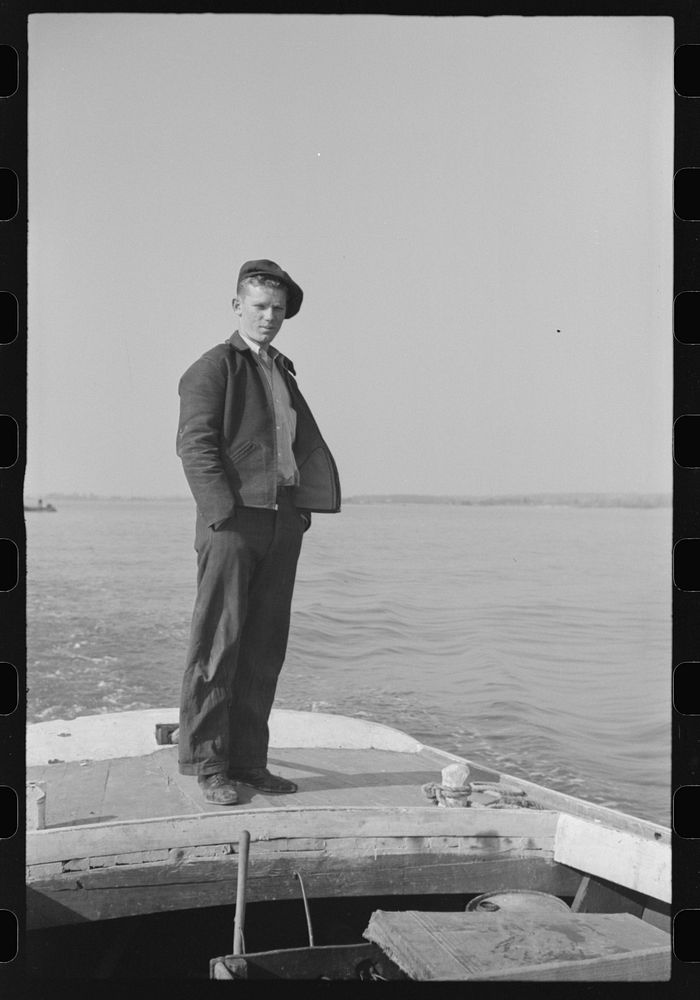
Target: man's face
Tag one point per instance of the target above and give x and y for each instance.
(261, 312)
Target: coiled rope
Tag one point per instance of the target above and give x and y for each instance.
(503, 798)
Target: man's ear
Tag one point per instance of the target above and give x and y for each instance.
(236, 303)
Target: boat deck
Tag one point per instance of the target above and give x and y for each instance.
(145, 787)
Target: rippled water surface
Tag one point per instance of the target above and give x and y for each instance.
(534, 639)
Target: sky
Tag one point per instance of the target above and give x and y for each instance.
(479, 211)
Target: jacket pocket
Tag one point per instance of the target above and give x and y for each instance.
(241, 451)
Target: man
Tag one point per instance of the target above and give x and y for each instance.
(257, 466)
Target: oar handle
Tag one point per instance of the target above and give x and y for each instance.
(243, 845)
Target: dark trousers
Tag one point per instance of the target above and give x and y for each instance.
(240, 625)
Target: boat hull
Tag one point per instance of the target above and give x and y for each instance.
(125, 835)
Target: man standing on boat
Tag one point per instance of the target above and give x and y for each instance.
(257, 467)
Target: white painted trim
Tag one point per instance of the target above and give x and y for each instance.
(617, 856)
(132, 734)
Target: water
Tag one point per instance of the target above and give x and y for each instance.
(534, 639)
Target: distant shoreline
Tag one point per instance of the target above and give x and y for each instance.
(526, 500)
(645, 500)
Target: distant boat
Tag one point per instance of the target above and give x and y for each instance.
(40, 506)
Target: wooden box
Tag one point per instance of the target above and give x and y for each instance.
(566, 946)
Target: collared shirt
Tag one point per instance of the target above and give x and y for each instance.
(285, 414)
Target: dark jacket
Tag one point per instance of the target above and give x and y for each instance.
(226, 437)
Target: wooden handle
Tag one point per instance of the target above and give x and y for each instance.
(243, 845)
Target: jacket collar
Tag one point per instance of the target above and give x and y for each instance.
(238, 344)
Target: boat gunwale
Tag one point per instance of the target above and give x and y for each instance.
(201, 829)
(571, 804)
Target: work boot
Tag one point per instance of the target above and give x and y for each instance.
(217, 788)
(260, 778)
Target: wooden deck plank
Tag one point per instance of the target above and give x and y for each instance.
(74, 792)
(356, 777)
(365, 768)
(182, 785)
(138, 787)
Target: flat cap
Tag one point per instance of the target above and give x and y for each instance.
(268, 269)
